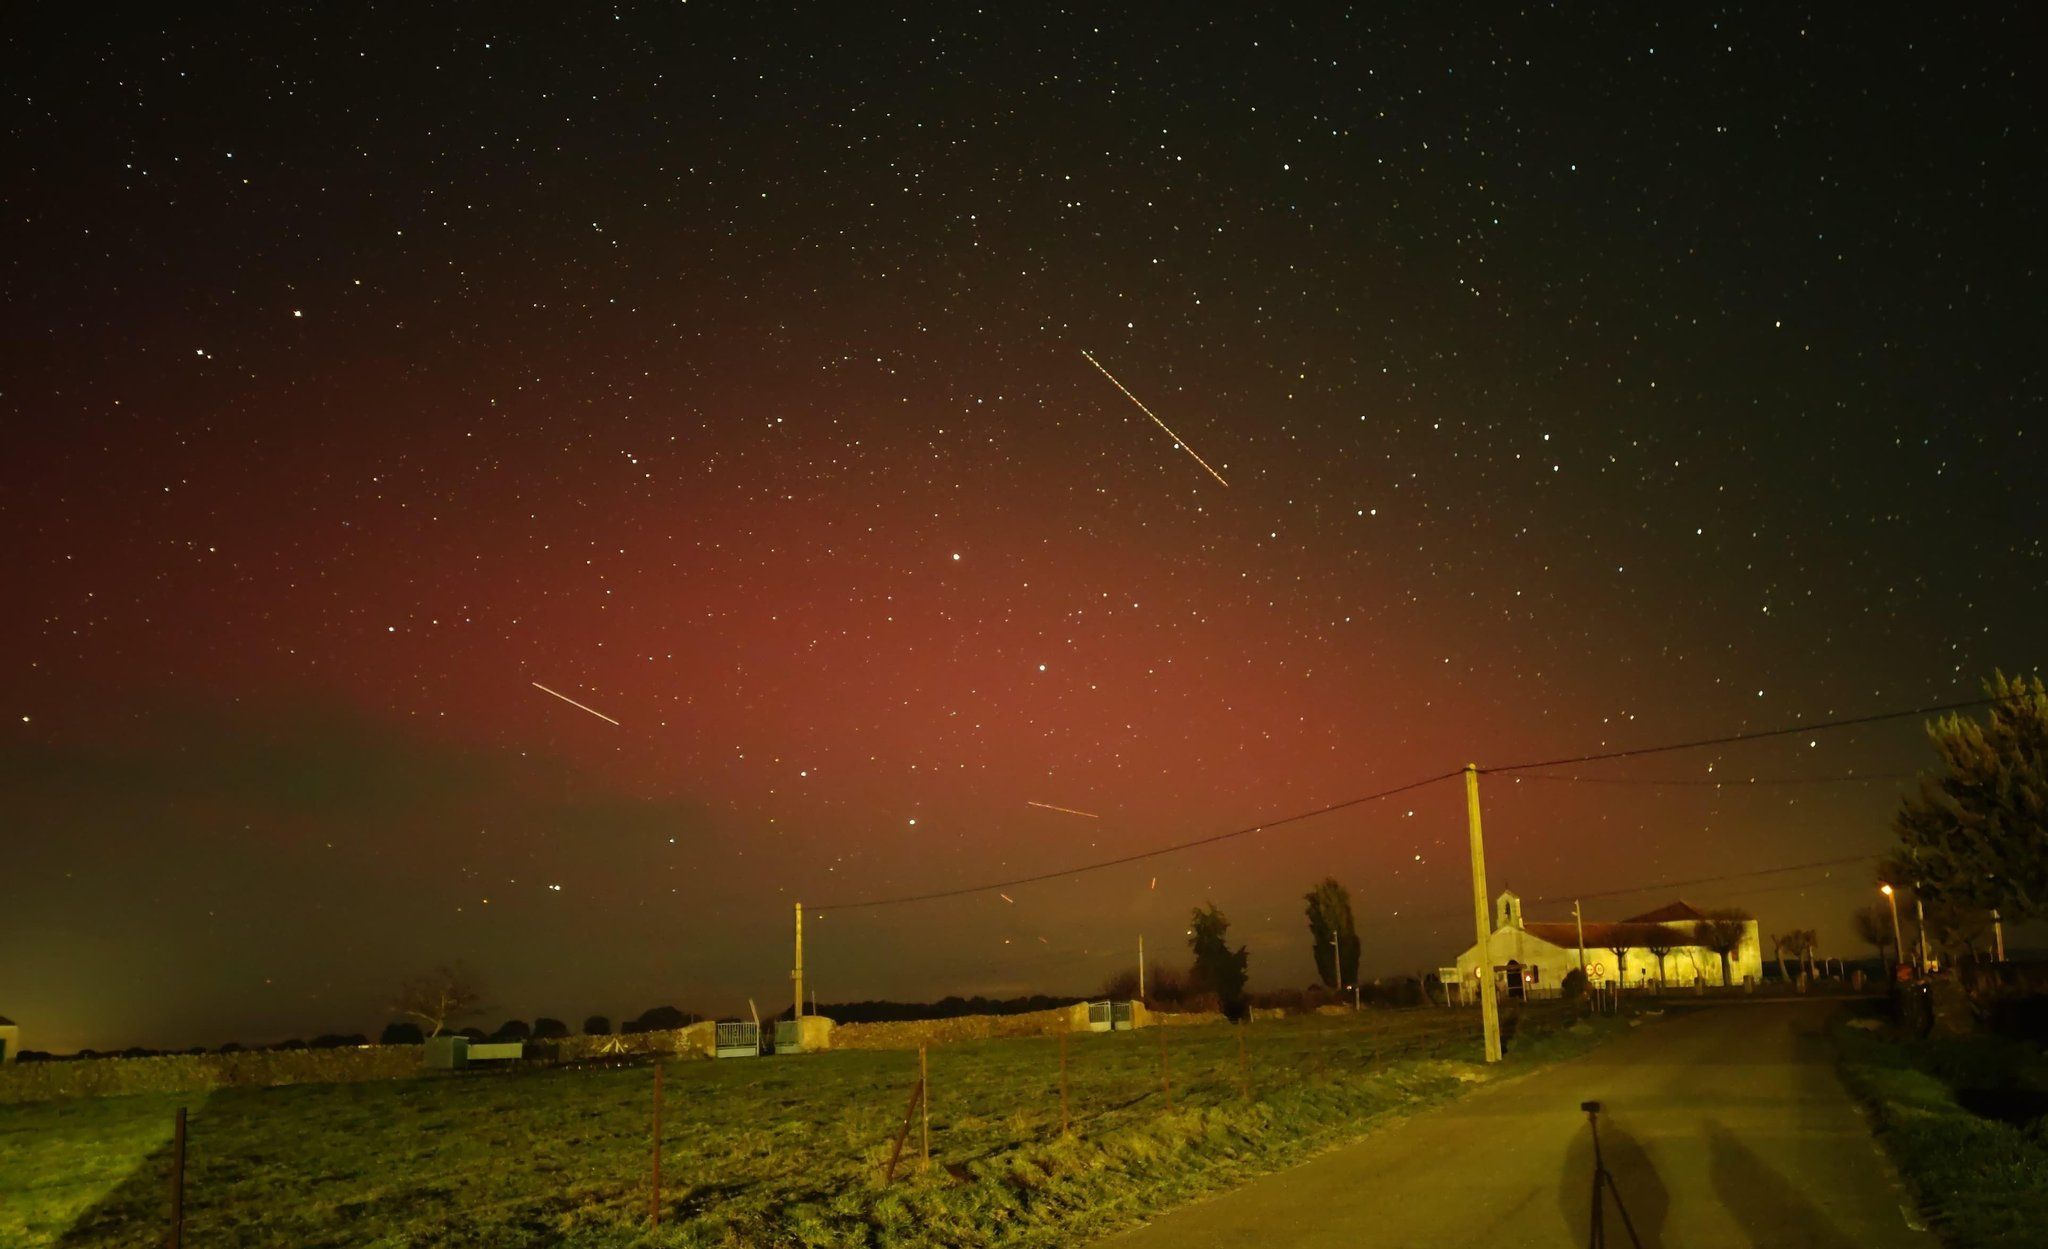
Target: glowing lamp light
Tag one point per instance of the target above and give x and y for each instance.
(1886, 890)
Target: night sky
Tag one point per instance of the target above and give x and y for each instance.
(1580, 380)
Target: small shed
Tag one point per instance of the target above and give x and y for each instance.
(10, 1039)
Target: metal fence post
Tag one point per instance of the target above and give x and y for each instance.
(177, 1239)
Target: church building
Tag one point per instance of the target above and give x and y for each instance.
(1663, 946)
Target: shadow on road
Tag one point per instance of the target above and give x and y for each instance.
(1641, 1190)
(1768, 1208)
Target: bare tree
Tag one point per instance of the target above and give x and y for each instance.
(1873, 925)
(1722, 932)
(443, 994)
(1662, 944)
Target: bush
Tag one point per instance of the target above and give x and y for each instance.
(474, 1034)
(545, 1029)
(597, 1025)
(1574, 986)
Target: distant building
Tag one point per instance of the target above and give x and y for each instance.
(10, 1039)
(1533, 958)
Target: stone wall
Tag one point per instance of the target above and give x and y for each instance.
(181, 1073)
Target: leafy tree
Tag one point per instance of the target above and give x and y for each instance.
(1329, 914)
(1722, 932)
(597, 1025)
(658, 1019)
(441, 995)
(1574, 986)
(1218, 968)
(512, 1030)
(545, 1029)
(1953, 924)
(400, 1033)
(1976, 835)
(1873, 925)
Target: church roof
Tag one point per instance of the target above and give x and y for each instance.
(5, 1022)
(1627, 935)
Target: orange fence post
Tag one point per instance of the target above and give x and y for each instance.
(654, 1198)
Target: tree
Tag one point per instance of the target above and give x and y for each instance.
(443, 994)
(1722, 932)
(597, 1025)
(1799, 943)
(1329, 913)
(1954, 924)
(400, 1033)
(1873, 926)
(1218, 968)
(1976, 835)
(545, 1029)
(1620, 953)
(658, 1019)
(512, 1030)
(1661, 943)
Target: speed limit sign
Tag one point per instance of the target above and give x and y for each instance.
(1597, 969)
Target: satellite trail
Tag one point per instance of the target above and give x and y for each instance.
(1177, 440)
(1069, 810)
(573, 703)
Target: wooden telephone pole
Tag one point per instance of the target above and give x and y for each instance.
(1141, 967)
(797, 974)
(1489, 1008)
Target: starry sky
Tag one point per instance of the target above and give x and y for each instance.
(1581, 380)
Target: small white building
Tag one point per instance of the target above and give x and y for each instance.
(1658, 947)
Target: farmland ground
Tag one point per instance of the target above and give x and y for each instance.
(774, 1151)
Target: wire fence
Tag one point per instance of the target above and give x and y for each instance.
(538, 1153)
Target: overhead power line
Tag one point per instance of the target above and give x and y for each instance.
(1139, 857)
(1159, 851)
(1814, 727)
(1720, 783)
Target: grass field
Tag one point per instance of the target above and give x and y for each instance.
(1983, 1183)
(772, 1151)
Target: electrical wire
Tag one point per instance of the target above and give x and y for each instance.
(1157, 852)
(1139, 857)
(1814, 727)
(1717, 783)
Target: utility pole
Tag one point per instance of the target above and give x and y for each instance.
(797, 974)
(1489, 1009)
(1141, 967)
(1920, 921)
(1997, 935)
(1580, 920)
(1336, 960)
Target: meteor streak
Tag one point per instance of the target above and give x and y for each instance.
(1177, 440)
(573, 703)
(1069, 810)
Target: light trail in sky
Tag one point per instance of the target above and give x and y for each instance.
(1178, 441)
(573, 703)
(1068, 810)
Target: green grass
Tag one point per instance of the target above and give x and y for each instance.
(775, 1151)
(1982, 1183)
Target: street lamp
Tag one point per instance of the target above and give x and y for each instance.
(1898, 939)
